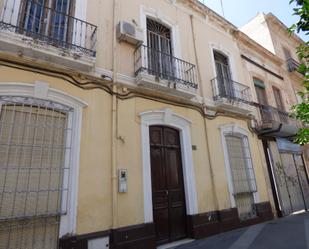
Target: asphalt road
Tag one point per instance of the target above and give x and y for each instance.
(291, 232)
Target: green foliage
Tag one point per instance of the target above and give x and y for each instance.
(301, 10)
(301, 111)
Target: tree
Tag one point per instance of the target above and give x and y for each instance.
(301, 111)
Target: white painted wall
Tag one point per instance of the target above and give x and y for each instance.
(258, 30)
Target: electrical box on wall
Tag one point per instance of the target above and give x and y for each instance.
(122, 181)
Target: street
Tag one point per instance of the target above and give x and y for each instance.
(291, 232)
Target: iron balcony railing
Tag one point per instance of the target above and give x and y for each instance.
(49, 25)
(292, 65)
(226, 88)
(164, 66)
(271, 115)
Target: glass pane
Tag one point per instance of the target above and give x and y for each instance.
(60, 23)
(35, 15)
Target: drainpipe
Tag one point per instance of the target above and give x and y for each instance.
(114, 124)
(205, 122)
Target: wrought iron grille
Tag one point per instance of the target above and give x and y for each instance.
(50, 22)
(35, 145)
(243, 177)
(223, 87)
(292, 65)
(165, 66)
(271, 114)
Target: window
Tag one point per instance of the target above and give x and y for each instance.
(59, 23)
(278, 99)
(260, 91)
(265, 110)
(35, 142)
(159, 50)
(287, 53)
(282, 115)
(47, 18)
(242, 174)
(223, 76)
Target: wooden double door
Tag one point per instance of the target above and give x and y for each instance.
(169, 208)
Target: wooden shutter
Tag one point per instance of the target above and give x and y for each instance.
(261, 95)
(278, 99)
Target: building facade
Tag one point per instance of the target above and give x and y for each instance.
(277, 83)
(128, 124)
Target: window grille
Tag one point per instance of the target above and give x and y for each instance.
(244, 184)
(160, 60)
(49, 22)
(35, 143)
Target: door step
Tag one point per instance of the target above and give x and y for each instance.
(174, 244)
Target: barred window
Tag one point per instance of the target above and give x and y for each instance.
(244, 184)
(34, 144)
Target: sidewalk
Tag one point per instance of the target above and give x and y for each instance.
(286, 233)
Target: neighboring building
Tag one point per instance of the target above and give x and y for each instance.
(273, 71)
(123, 125)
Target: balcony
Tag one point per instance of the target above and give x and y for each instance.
(31, 29)
(276, 123)
(163, 72)
(293, 65)
(231, 95)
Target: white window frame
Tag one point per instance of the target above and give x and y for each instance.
(217, 47)
(168, 118)
(156, 15)
(42, 90)
(234, 129)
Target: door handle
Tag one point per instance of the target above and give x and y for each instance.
(166, 192)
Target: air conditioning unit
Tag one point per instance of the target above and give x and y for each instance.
(129, 33)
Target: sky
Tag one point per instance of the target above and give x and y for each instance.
(239, 12)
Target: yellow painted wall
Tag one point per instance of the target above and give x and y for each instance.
(95, 178)
(217, 159)
(94, 193)
(207, 33)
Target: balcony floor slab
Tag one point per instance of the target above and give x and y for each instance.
(21, 45)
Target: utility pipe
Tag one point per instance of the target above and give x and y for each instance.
(114, 124)
(205, 122)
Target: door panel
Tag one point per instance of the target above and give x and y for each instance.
(303, 178)
(278, 99)
(169, 208)
(160, 60)
(279, 102)
(283, 190)
(261, 95)
(266, 114)
(292, 182)
(223, 75)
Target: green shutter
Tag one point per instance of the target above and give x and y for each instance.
(259, 83)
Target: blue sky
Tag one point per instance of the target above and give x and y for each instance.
(239, 12)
